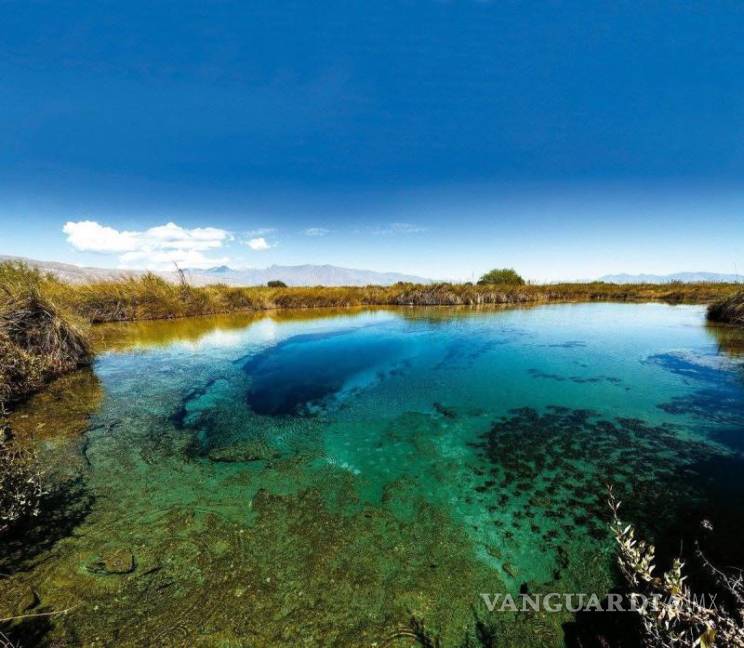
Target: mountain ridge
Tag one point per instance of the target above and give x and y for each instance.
(300, 275)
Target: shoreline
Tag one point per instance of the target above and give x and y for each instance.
(45, 324)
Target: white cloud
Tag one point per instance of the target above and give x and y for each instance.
(258, 244)
(316, 231)
(90, 236)
(157, 248)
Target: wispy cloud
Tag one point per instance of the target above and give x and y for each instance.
(399, 228)
(259, 244)
(157, 248)
(316, 231)
(260, 231)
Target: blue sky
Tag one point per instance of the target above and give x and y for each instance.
(566, 139)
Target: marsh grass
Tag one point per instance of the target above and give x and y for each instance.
(38, 339)
(151, 297)
(729, 310)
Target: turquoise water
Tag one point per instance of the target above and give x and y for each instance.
(320, 480)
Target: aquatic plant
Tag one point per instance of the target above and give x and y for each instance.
(507, 276)
(679, 617)
(729, 310)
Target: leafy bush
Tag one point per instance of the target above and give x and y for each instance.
(506, 276)
(275, 283)
(680, 618)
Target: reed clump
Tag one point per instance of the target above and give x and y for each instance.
(39, 340)
(729, 310)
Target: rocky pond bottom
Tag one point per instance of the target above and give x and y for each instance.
(361, 478)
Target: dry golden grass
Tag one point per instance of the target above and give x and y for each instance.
(729, 310)
(38, 339)
(150, 297)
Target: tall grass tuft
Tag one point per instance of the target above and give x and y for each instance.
(38, 339)
(729, 310)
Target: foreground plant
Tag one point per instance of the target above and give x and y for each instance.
(5, 641)
(21, 482)
(38, 340)
(674, 616)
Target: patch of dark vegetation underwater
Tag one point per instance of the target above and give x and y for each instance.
(552, 466)
(579, 380)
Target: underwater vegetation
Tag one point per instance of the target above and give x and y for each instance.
(361, 478)
(549, 465)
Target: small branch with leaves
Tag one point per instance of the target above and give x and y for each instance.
(678, 618)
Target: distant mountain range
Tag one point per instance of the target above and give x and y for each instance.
(685, 277)
(315, 275)
(301, 275)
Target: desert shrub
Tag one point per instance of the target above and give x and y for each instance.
(506, 276)
(679, 618)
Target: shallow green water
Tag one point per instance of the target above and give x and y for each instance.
(319, 480)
